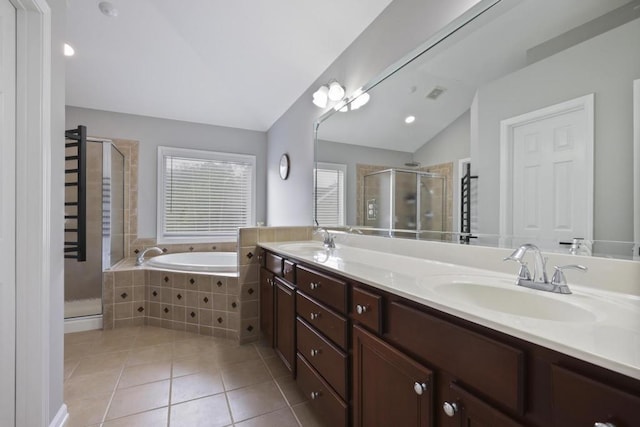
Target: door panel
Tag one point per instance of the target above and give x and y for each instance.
(7, 212)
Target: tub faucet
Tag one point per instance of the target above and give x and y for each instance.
(140, 258)
(539, 279)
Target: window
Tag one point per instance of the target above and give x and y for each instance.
(204, 195)
(330, 194)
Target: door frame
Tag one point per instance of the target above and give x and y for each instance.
(636, 168)
(33, 213)
(507, 127)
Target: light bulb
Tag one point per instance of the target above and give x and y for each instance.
(320, 97)
(361, 100)
(336, 92)
(68, 50)
(410, 119)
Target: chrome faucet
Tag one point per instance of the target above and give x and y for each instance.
(140, 258)
(328, 238)
(539, 280)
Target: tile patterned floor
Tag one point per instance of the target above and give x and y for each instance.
(146, 376)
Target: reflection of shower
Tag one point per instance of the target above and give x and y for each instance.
(405, 200)
(104, 228)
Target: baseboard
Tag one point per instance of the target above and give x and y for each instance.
(79, 324)
(61, 417)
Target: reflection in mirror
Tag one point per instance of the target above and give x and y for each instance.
(525, 116)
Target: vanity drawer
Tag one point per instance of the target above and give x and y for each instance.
(578, 400)
(324, 319)
(487, 365)
(326, 358)
(366, 309)
(289, 271)
(326, 289)
(326, 402)
(273, 263)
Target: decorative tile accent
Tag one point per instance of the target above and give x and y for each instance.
(249, 328)
(154, 293)
(249, 255)
(124, 295)
(219, 283)
(166, 310)
(136, 252)
(140, 309)
(205, 299)
(219, 319)
(191, 248)
(179, 296)
(250, 291)
(234, 304)
(166, 279)
(192, 314)
(192, 281)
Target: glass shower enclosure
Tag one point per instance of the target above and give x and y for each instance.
(396, 199)
(105, 189)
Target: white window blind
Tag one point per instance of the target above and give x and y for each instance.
(330, 194)
(204, 195)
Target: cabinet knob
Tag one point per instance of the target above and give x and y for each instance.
(361, 309)
(314, 316)
(599, 424)
(314, 285)
(419, 388)
(450, 408)
(314, 352)
(315, 395)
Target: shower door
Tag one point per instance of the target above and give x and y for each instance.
(104, 230)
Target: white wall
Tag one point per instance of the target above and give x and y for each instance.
(351, 155)
(401, 27)
(592, 66)
(153, 132)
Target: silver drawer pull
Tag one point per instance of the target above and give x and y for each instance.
(361, 309)
(450, 408)
(315, 395)
(314, 285)
(314, 352)
(599, 424)
(314, 316)
(419, 388)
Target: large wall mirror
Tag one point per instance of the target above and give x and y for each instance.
(514, 124)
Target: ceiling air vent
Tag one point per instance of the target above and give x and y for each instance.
(436, 92)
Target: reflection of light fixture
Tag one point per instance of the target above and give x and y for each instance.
(360, 100)
(68, 50)
(333, 91)
(321, 96)
(336, 91)
(108, 9)
(409, 119)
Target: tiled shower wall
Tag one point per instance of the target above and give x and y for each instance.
(205, 304)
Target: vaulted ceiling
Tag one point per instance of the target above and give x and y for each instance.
(238, 63)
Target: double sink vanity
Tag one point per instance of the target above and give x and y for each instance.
(380, 338)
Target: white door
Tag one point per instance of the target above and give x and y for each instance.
(7, 211)
(551, 174)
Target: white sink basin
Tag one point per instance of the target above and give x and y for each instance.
(515, 301)
(303, 248)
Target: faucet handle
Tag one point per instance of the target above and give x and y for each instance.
(558, 276)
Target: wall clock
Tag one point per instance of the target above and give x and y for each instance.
(284, 166)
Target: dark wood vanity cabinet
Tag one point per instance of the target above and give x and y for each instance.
(366, 357)
(277, 307)
(389, 388)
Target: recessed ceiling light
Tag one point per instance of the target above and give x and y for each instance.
(68, 50)
(108, 9)
(409, 119)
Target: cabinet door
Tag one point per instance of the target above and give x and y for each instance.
(389, 388)
(285, 320)
(463, 408)
(266, 305)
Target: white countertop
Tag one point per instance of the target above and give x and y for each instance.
(606, 334)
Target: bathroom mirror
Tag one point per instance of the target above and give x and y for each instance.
(530, 100)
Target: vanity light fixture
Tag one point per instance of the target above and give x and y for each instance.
(333, 91)
(68, 50)
(409, 119)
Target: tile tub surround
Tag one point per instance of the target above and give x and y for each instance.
(158, 377)
(212, 305)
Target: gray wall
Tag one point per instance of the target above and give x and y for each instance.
(591, 67)
(56, 290)
(401, 27)
(351, 155)
(153, 132)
